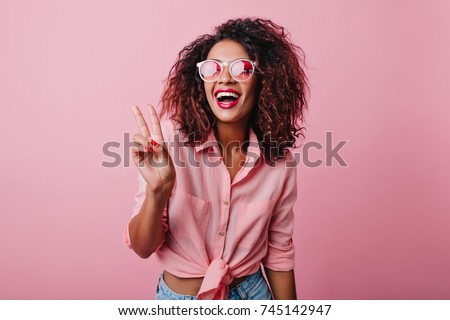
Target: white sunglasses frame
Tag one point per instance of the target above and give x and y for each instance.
(226, 64)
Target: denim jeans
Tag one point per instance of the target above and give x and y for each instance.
(253, 288)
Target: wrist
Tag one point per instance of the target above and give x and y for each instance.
(161, 195)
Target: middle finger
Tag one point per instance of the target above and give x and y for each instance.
(142, 124)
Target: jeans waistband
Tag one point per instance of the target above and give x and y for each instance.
(250, 281)
(245, 286)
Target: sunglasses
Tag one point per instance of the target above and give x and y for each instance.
(240, 69)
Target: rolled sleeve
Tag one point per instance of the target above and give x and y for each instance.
(281, 251)
(139, 200)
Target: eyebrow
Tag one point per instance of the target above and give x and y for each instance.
(230, 60)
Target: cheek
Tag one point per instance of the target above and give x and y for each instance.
(251, 90)
(208, 90)
(208, 85)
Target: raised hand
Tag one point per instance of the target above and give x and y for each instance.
(150, 155)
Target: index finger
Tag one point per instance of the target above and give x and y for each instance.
(156, 126)
(142, 125)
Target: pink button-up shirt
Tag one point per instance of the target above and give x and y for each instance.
(221, 229)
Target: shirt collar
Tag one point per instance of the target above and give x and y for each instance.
(211, 142)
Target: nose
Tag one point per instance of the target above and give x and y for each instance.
(226, 77)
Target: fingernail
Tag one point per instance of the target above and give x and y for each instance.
(145, 149)
(154, 143)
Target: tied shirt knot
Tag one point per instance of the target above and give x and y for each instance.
(216, 281)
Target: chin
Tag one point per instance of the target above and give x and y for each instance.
(228, 115)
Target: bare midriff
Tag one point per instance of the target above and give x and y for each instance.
(191, 286)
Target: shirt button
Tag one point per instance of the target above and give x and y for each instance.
(221, 233)
(226, 203)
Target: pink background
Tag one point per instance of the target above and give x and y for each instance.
(379, 70)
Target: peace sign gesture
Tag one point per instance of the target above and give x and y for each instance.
(150, 155)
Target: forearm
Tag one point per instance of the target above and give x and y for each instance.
(145, 229)
(282, 284)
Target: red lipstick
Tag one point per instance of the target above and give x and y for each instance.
(227, 105)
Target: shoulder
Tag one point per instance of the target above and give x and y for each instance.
(167, 128)
(288, 163)
(287, 167)
(171, 130)
(289, 156)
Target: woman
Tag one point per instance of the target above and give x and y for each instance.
(217, 181)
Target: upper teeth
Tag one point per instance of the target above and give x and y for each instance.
(227, 94)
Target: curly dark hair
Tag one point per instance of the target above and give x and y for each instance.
(281, 89)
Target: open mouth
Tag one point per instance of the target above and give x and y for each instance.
(227, 99)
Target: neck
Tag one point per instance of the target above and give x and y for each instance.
(231, 137)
